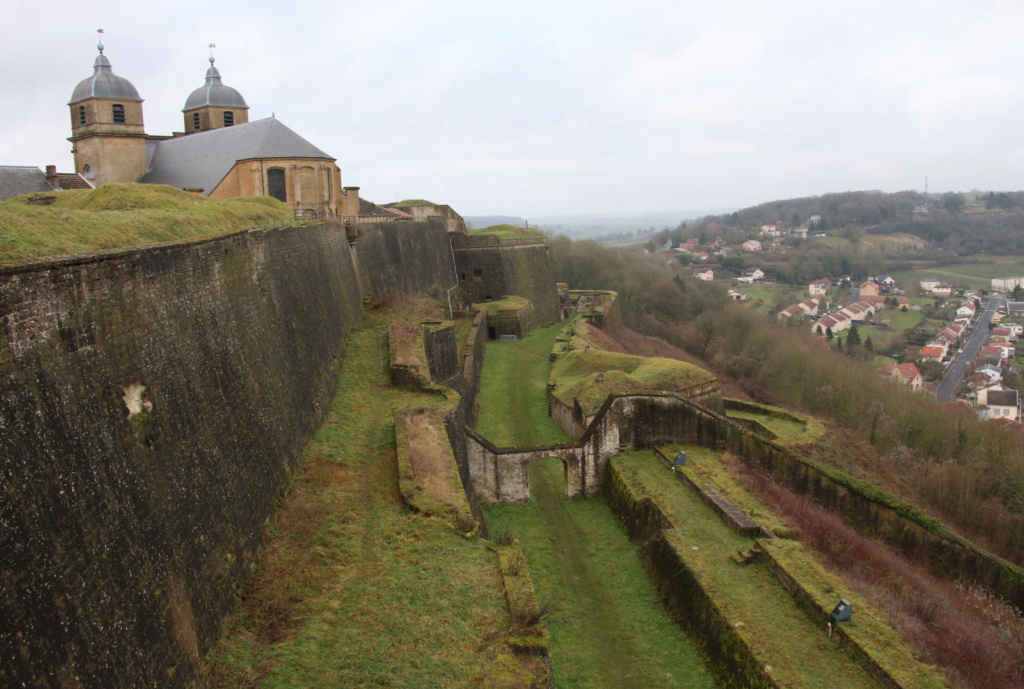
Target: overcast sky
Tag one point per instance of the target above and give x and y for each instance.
(565, 107)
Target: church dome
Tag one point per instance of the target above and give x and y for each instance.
(214, 93)
(104, 83)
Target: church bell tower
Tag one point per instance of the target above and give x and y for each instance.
(107, 134)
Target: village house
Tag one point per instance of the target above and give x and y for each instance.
(820, 287)
(751, 245)
(810, 306)
(858, 310)
(999, 404)
(706, 274)
(793, 311)
(885, 281)
(904, 374)
(751, 276)
(737, 294)
(836, 321)
(928, 284)
(995, 354)
(966, 309)
(869, 288)
(934, 352)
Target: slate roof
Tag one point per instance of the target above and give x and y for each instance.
(16, 180)
(203, 159)
(215, 93)
(1002, 398)
(104, 84)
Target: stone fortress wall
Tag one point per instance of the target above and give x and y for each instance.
(490, 268)
(153, 402)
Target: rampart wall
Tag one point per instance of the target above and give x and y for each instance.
(405, 257)
(490, 269)
(152, 403)
(642, 421)
(873, 512)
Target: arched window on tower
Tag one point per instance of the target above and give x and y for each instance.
(118, 113)
(195, 120)
(87, 172)
(275, 184)
(229, 118)
(81, 114)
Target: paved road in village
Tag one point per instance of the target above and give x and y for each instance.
(946, 392)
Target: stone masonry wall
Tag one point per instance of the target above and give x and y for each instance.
(152, 403)
(490, 271)
(404, 257)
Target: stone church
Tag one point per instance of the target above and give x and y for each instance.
(220, 154)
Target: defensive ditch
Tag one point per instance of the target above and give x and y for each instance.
(607, 626)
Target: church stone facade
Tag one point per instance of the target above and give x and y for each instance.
(220, 154)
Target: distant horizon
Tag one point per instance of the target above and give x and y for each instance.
(553, 108)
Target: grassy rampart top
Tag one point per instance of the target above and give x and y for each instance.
(120, 215)
(507, 232)
(509, 303)
(409, 203)
(574, 375)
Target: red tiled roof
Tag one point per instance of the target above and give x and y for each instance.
(72, 180)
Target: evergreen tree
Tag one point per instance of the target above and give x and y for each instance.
(869, 345)
(853, 337)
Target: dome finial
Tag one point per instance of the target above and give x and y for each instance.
(99, 45)
(212, 46)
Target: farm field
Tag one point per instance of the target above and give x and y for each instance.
(976, 275)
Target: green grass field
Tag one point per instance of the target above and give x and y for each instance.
(607, 628)
(772, 294)
(513, 392)
(976, 275)
(353, 590)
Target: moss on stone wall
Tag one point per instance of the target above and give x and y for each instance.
(126, 532)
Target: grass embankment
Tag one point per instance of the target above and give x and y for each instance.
(508, 303)
(574, 373)
(790, 428)
(513, 392)
(354, 590)
(120, 215)
(508, 232)
(799, 653)
(607, 627)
